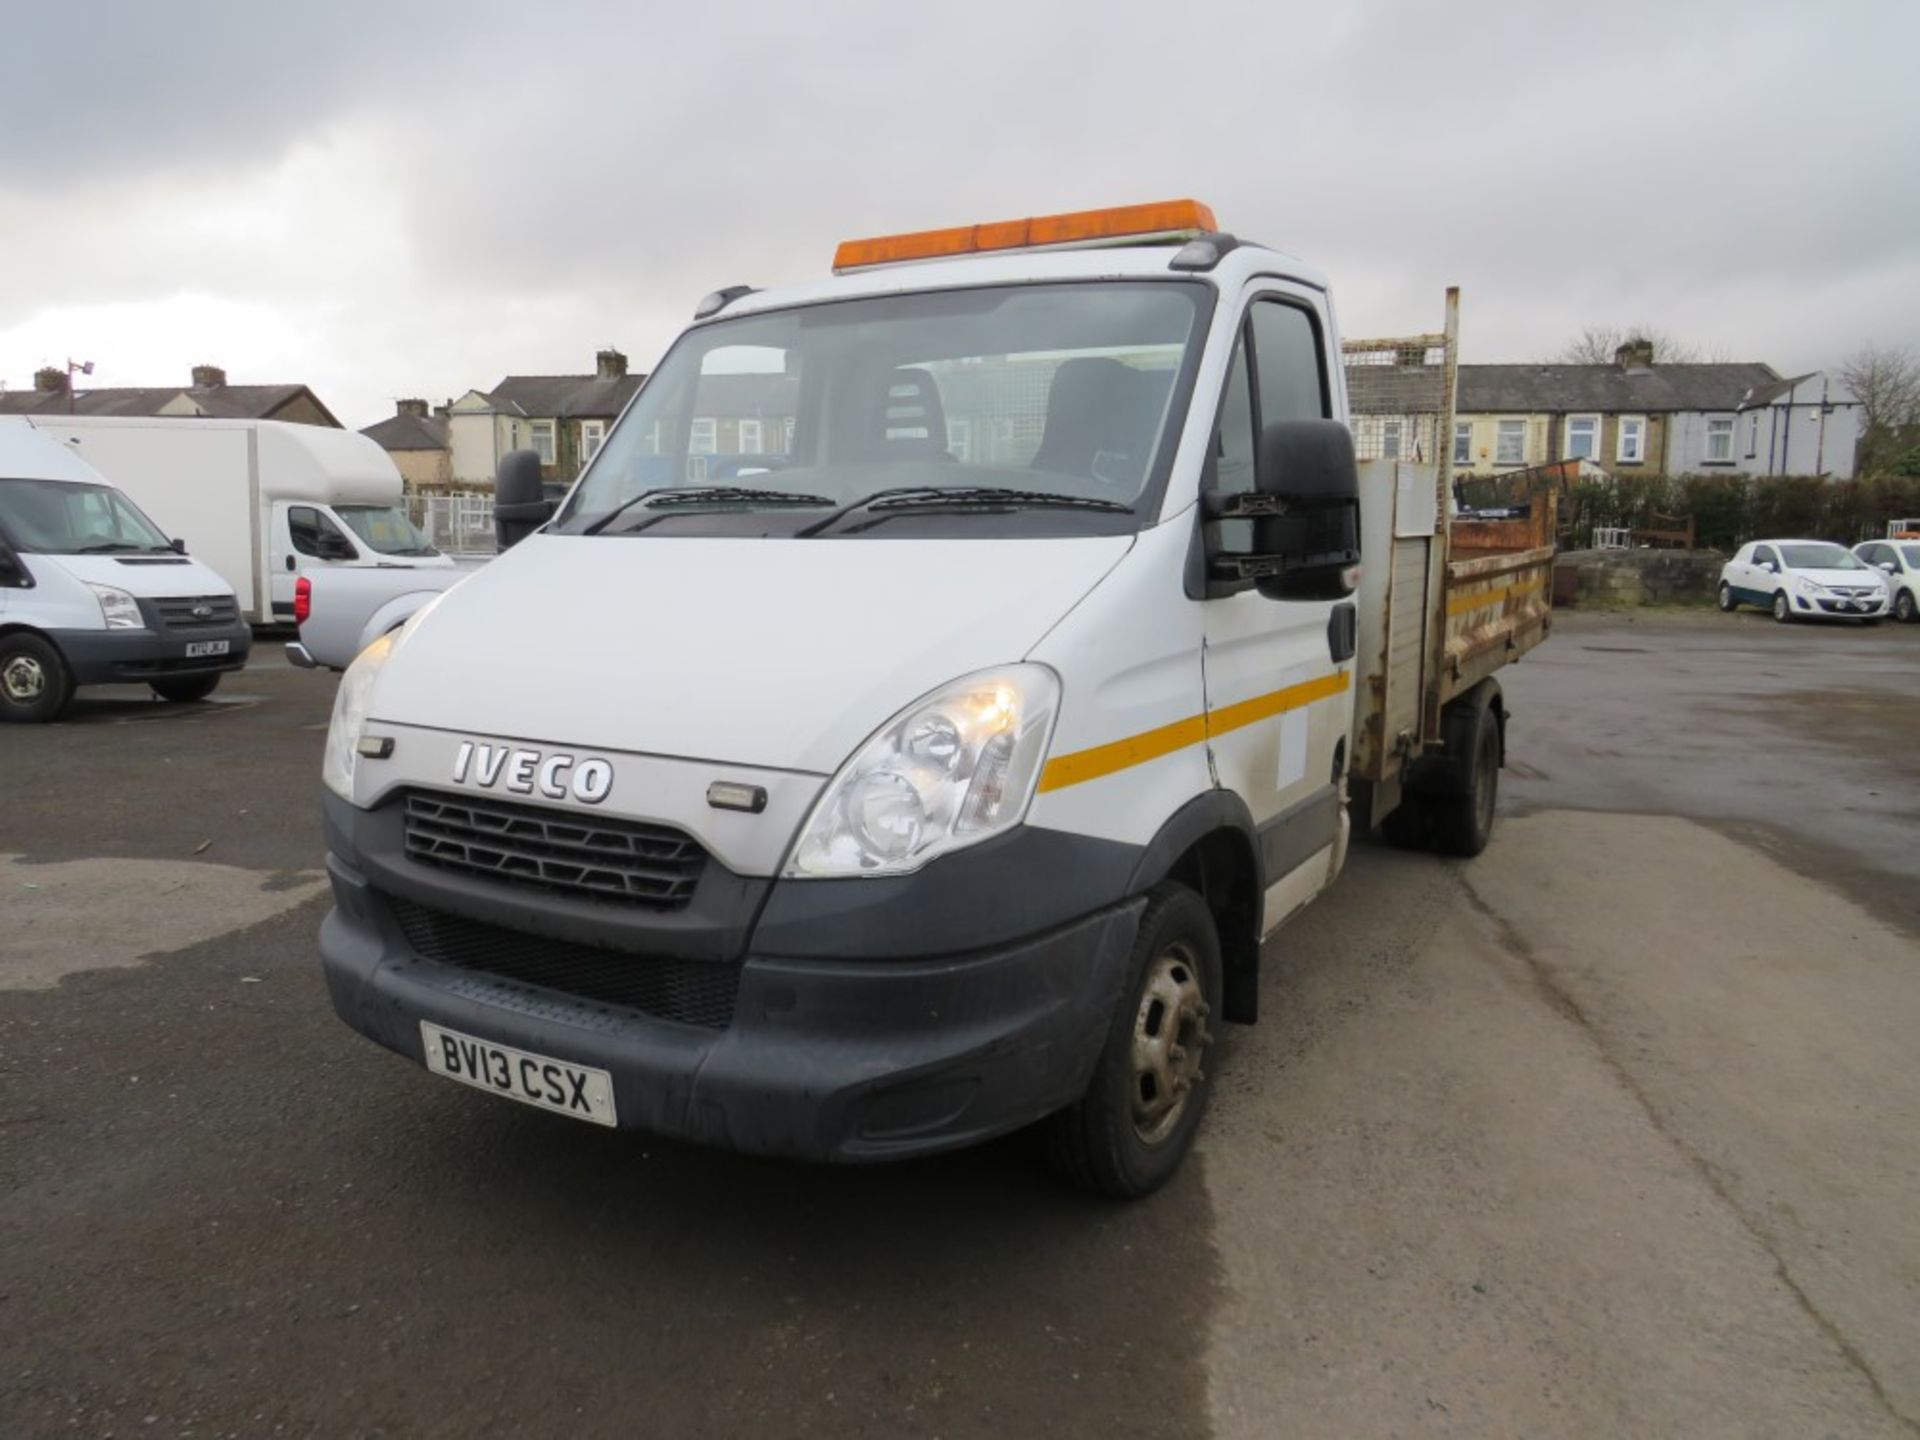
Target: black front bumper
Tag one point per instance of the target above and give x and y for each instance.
(134, 657)
(823, 1059)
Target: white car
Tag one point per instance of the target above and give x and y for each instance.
(1899, 561)
(1803, 580)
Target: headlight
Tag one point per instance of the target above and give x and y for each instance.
(1806, 586)
(350, 716)
(948, 771)
(119, 609)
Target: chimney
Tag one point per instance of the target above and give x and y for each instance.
(51, 380)
(1636, 354)
(441, 412)
(609, 365)
(208, 377)
(415, 408)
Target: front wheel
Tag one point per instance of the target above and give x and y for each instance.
(1127, 1135)
(1727, 601)
(1903, 607)
(34, 683)
(186, 688)
(1782, 612)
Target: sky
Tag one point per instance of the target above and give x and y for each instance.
(416, 199)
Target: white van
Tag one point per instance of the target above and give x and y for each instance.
(916, 717)
(93, 593)
(261, 501)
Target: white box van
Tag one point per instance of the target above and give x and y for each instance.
(916, 717)
(93, 593)
(261, 501)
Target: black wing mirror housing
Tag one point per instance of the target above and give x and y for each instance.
(1305, 514)
(520, 503)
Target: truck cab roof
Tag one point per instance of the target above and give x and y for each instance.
(1130, 262)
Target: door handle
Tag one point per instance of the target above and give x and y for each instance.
(1343, 632)
(290, 563)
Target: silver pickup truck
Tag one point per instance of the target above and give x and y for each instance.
(341, 612)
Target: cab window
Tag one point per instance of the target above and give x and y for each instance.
(314, 534)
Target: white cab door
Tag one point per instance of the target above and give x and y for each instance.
(1278, 704)
(304, 537)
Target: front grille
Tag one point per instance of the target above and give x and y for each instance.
(655, 866)
(182, 612)
(692, 992)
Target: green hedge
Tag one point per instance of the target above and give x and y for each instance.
(1731, 509)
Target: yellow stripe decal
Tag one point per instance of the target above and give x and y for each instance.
(1116, 755)
(1480, 600)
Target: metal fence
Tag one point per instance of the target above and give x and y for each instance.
(460, 524)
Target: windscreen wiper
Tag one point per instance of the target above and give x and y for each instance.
(677, 495)
(110, 547)
(957, 499)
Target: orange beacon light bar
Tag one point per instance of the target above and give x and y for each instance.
(1129, 224)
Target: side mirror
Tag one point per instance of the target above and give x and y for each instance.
(179, 545)
(520, 504)
(1771, 565)
(13, 575)
(1305, 514)
(1887, 565)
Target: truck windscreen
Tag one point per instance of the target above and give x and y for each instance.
(1050, 393)
(385, 528)
(62, 517)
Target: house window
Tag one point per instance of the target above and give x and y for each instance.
(542, 432)
(1390, 439)
(653, 438)
(696, 468)
(786, 436)
(1583, 437)
(1510, 443)
(749, 437)
(704, 438)
(1632, 446)
(1720, 441)
(958, 440)
(592, 434)
(1463, 444)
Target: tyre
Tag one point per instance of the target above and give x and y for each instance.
(34, 683)
(1727, 601)
(1781, 610)
(1405, 827)
(1903, 607)
(1126, 1136)
(1462, 824)
(187, 687)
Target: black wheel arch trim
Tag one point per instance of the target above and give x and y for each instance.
(1187, 833)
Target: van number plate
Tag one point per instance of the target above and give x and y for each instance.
(576, 1090)
(197, 648)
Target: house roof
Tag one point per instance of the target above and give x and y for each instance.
(1768, 393)
(408, 432)
(564, 397)
(1566, 389)
(223, 402)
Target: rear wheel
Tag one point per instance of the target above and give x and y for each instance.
(1781, 610)
(1728, 602)
(187, 687)
(1405, 827)
(1462, 824)
(34, 683)
(1127, 1135)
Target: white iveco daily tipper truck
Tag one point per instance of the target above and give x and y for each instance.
(918, 714)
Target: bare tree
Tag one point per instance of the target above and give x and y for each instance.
(1596, 345)
(1886, 382)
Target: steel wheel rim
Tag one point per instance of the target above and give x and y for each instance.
(24, 679)
(1170, 1038)
(1779, 607)
(1726, 596)
(1483, 782)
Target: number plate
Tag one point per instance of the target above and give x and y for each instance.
(197, 648)
(576, 1090)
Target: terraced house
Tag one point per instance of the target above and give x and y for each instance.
(563, 417)
(1638, 417)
